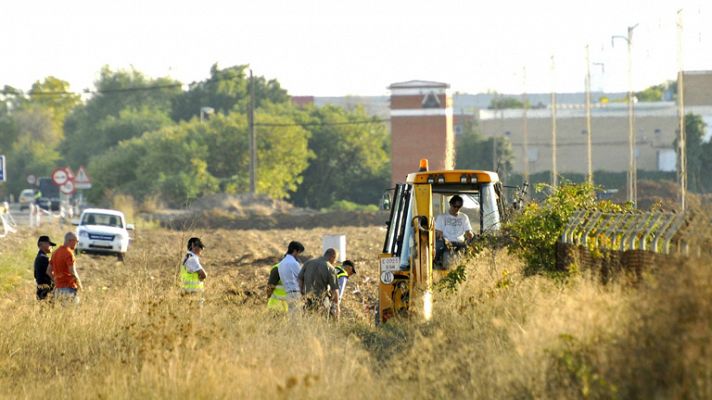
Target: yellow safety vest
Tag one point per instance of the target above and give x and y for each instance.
(190, 280)
(341, 272)
(278, 300)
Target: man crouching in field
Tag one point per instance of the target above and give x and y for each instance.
(317, 280)
(64, 271)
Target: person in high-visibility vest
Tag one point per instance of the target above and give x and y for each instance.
(343, 273)
(276, 292)
(192, 273)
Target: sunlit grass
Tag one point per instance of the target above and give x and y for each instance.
(497, 335)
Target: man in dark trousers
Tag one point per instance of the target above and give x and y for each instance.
(317, 279)
(43, 278)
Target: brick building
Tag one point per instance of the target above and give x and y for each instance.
(421, 127)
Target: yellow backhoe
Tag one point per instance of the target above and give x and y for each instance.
(408, 262)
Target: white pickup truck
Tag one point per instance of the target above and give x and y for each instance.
(103, 231)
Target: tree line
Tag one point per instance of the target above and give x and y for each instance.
(144, 137)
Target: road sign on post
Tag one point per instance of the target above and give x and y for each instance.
(31, 179)
(59, 176)
(81, 179)
(68, 188)
(3, 174)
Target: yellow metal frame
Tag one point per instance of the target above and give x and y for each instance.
(420, 276)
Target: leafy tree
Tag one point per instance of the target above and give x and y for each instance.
(474, 151)
(657, 92)
(166, 162)
(181, 162)
(8, 132)
(282, 151)
(128, 124)
(53, 94)
(37, 124)
(501, 103)
(116, 92)
(27, 157)
(351, 158)
(699, 161)
(226, 89)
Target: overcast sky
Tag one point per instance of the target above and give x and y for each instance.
(345, 47)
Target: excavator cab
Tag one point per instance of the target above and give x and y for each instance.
(408, 261)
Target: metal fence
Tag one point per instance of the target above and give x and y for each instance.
(632, 240)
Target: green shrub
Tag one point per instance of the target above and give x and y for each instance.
(536, 230)
(345, 205)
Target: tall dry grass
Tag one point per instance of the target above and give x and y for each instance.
(498, 335)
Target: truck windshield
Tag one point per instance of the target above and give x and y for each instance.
(490, 210)
(102, 219)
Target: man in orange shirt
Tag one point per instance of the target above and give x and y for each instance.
(64, 271)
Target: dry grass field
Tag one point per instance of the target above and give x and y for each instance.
(499, 335)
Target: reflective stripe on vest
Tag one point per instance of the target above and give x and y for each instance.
(278, 300)
(341, 273)
(190, 280)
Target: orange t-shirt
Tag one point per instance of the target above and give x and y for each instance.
(62, 262)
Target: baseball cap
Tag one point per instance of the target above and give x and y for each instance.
(45, 238)
(347, 263)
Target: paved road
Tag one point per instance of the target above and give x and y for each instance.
(22, 217)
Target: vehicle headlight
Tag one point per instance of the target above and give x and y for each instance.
(83, 234)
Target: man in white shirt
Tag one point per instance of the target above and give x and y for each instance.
(452, 228)
(192, 273)
(288, 270)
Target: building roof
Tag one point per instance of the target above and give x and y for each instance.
(419, 84)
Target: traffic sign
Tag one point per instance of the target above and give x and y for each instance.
(3, 176)
(81, 179)
(31, 179)
(59, 176)
(70, 173)
(68, 187)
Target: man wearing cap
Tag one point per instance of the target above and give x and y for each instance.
(192, 273)
(43, 273)
(64, 271)
(343, 273)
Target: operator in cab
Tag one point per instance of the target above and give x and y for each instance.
(452, 229)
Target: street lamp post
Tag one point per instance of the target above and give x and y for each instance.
(632, 172)
(554, 171)
(682, 142)
(588, 118)
(589, 133)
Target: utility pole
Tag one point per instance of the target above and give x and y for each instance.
(494, 134)
(253, 141)
(682, 140)
(632, 168)
(525, 125)
(554, 172)
(588, 117)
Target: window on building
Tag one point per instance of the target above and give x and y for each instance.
(667, 160)
(533, 154)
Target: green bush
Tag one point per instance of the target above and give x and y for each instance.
(536, 230)
(345, 205)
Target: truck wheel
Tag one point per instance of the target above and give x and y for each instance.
(120, 256)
